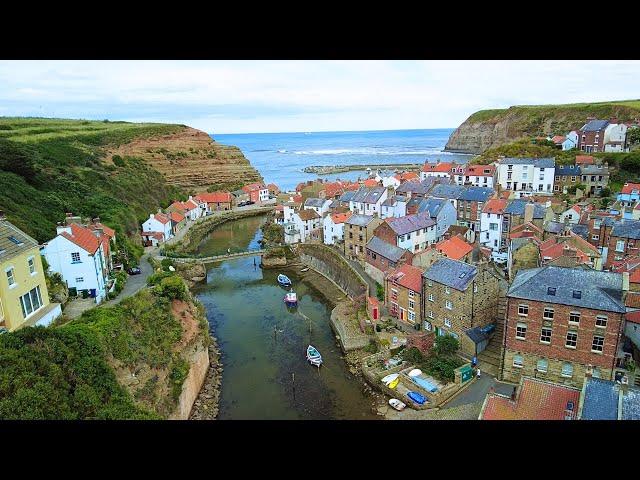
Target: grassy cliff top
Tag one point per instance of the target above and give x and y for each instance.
(620, 108)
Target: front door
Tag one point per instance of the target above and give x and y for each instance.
(402, 313)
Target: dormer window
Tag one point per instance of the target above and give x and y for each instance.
(577, 294)
(15, 240)
(551, 291)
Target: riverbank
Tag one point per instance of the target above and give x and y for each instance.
(331, 169)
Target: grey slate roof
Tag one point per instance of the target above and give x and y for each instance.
(410, 223)
(347, 196)
(359, 220)
(452, 273)
(314, 202)
(626, 229)
(536, 162)
(334, 204)
(477, 194)
(580, 229)
(568, 170)
(600, 290)
(448, 191)
(385, 249)
(554, 227)
(9, 248)
(594, 170)
(516, 207)
(431, 205)
(595, 125)
(368, 195)
(518, 243)
(418, 187)
(600, 400)
(389, 202)
(476, 335)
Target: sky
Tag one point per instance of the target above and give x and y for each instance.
(294, 96)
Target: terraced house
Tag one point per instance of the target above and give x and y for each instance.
(459, 298)
(526, 176)
(403, 289)
(24, 299)
(563, 323)
(411, 232)
(358, 230)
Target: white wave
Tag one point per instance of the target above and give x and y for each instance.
(282, 151)
(369, 151)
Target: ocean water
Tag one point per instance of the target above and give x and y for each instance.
(280, 157)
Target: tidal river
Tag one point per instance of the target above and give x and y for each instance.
(266, 375)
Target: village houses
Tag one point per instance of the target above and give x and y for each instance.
(215, 201)
(411, 232)
(333, 227)
(258, 193)
(394, 206)
(403, 289)
(477, 175)
(318, 205)
(441, 211)
(368, 201)
(24, 298)
(158, 224)
(526, 176)
(358, 230)
(382, 257)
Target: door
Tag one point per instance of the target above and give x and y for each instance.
(402, 313)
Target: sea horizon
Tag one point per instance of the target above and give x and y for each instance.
(332, 131)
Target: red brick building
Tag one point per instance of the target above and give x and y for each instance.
(385, 256)
(623, 241)
(591, 135)
(563, 323)
(216, 201)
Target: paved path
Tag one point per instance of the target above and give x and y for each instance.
(135, 283)
(477, 391)
(75, 308)
(358, 268)
(470, 411)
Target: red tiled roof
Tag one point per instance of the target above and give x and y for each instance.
(252, 187)
(279, 208)
(177, 217)
(632, 300)
(584, 160)
(373, 301)
(297, 198)
(273, 187)
(109, 231)
(629, 187)
(558, 139)
(162, 218)
(308, 214)
(214, 197)
(537, 400)
(633, 317)
(83, 237)
(371, 182)
(455, 248)
(525, 230)
(340, 217)
(442, 167)
(408, 276)
(495, 205)
(479, 170)
(156, 235)
(406, 176)
(351, 186)
(333, 189)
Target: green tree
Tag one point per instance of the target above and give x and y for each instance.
(446, 345)
(633, 136)
(380, 292)
(605, 192)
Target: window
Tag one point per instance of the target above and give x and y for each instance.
(567, 370)
(427, 326)
(447, 322)
(493, 226)
(411, 293)
(75, 257)
(595, 237)
(15, 240)
(521, 331)
(523, 310)
(574, 317)
(598, 344)
(577, 294)
(30, 302)
(32, 265)
(551, 291)
(10, 277)
(431, 297)
(572, 339)
(542, 365)
(596, 223)
(412, 317)
(545, 335)
(394, 294)
(601, 321)
(412, 304)
(620, 246)
(446, 290)
(573, 179)
(475, 288)
(430, 313)
(517, 361)
(547, 314)
(448, 305)
(79, 279)
(595, 373)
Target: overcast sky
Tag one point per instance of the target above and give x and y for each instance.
(294, 96)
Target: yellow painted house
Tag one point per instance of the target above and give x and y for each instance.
(24, 299)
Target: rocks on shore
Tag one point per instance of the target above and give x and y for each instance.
(206, 405)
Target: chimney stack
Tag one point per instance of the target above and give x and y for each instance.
(625, 281)
(528, 212)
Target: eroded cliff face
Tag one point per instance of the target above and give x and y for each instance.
(191, 160)
(491, 128)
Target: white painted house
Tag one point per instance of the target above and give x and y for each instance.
(160, 223)
(77, 254)
(368, 201)
(526, 176)
(333, 227)
(413, 232)
(491, 222)
(615, 136)
(301, 226)
(318, 205)
(571, 141)
(572, 215)
(395, 206)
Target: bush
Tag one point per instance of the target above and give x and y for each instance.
(166, 263)
(172, 288)
(605, 192)
(372, 347)
(156, 278)
(413, 355)
(380, 292)
(118, 161)
(442, 368)
(446, 345)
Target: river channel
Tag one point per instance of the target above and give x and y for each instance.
(263, 343)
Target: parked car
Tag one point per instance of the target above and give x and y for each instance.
(134, 271)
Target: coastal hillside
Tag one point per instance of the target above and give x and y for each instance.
(117, 171)
(491, 128)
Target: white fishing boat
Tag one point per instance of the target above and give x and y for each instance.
(284, 280)
(390, 378)
(313, 356)
(415, 372)
(291, 299)
(305, 269)
(397, 404)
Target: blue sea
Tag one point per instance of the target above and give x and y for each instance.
(280, 157)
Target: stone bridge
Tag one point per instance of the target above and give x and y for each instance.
(216, 258)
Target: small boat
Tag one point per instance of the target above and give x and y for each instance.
(389, 378)
(395, 383)
(415, 372)
(305, 269)
(397, 404)
(284, 280)
(416, 397)
(313, 356)
(291, 299)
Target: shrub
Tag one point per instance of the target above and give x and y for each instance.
(372, 347)
(118, 161)
(443, 368)
(179, 372)
(446, 345)
(605, 192)
(412, 355)
(166, 263)
(172, 288)
(156, 278)
(380, 292)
